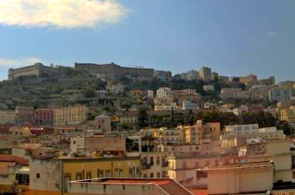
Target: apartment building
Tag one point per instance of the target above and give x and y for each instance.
(154, 164)
(44, 117)
(288, 114)
(279, 94)
(7, 117)
(187, 168)
(240, 178)
(199, 133)
(164, 92)
(24, 114)
(71, 115)
(205, 74)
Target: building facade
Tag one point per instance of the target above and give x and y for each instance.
(7, 117)
(71, 115)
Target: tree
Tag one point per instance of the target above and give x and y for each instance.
(142, 117)
(284, 125)
(89, 93)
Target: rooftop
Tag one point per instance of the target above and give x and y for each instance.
(167, 186)
(11, 158)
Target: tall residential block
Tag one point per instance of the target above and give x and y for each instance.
(205, 74)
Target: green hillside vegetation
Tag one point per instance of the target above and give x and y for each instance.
(62, 89)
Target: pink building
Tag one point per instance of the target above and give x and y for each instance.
(44, 117)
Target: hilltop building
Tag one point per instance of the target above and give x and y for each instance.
(37, 69)
(205, 74)
(163, 75)
(113, 71)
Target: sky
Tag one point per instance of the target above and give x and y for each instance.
(233, 38)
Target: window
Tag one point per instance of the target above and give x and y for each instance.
(151, 160)
(145, 175)
(121, 173)
(130, 172)
(100, 173)
(38, 175)
(67, 179)
(158, 160)
(108, 173)
(158, 175)
(197, 164)
(78, 176)
(88, 175)
(151, 175)
(116, 172)
(184, 165)
(216, 161)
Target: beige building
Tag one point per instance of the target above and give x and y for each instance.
(20, 131)
(164, 92)
(164, 135)
(7, 117)
(250, 79)
(103, 123)
(45, 176)
(125, 186)
(205, 74)
(239, 137)
(187, 168)
(288, 114)
(240, 178)
(97, 143)
(279, 152)
(71, 115)
(200, 132)
(24, 114)
(37, 69)
(154, 164)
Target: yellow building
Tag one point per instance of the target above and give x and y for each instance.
(154, 164)
(200, 132)
(288, 114)
(87, 167)
(50, 176)
(7, 117)
(71, 115)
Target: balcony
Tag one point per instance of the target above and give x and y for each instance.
(165, 164)
(145, 166)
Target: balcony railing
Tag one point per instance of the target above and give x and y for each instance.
(165, 164)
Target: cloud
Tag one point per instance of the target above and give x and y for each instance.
(272, 33)
(61, 13)
(16, 63)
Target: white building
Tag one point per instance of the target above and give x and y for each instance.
(208, 88)
(164, 92)
(241, 129)
(162, 75)
(150, 94)
(279, 94)
(188, 105)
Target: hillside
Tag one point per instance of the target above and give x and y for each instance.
(62, 89)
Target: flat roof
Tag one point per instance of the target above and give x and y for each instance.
(249, 165)
(125, 181)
